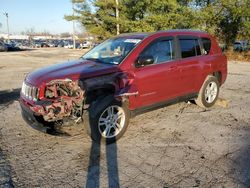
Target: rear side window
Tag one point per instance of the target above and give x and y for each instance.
(206, 45)
(189, 48)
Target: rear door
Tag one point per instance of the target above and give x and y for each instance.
(156, 82)
(189, 64)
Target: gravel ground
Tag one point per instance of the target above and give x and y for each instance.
(177, 146)
(5, 174)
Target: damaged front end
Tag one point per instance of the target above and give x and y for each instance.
(61, 98)
(60, 103)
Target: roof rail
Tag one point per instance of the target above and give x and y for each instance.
(182, 30)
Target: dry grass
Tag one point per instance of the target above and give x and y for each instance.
(238, 56)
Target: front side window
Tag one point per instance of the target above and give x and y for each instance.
(189, 48)
(161, 51)
(112, 51)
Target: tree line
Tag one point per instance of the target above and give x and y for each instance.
(228, 20)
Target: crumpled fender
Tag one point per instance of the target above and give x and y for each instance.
(121, 82)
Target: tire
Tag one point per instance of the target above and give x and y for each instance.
(101, 120)
(208, 93)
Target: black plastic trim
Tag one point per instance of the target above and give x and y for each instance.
(31, 120)
(163, 104)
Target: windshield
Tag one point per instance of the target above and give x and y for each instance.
(112, 51)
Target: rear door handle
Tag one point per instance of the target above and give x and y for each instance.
(174, 67)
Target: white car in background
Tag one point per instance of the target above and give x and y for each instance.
(69, 45)
(86, 44)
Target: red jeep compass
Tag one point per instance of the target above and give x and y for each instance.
(122, 77)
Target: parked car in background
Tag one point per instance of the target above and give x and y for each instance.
(241, 46)
(51, 44)
(9, 46)
(44, 45)
(3, 47)
(86, 44)
(12, 47)
(37, 44)
(78, 45)
(60, 44)
(122, 77)
(68, 45)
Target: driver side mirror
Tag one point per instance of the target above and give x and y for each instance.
(144, 60)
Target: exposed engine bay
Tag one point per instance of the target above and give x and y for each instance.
(62, 98)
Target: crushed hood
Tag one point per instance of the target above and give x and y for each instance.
(78, 69)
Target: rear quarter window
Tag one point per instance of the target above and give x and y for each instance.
(206, 42)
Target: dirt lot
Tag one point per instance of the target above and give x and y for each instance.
(177, 146)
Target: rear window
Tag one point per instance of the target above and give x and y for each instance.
(189, 48)
(206, 45)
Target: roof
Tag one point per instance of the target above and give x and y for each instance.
(145, 34)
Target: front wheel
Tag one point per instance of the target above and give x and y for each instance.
(106, 120)
(208, 93)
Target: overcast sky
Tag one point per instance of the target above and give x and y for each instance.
(38, 14)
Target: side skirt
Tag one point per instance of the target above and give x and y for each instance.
(162, 104)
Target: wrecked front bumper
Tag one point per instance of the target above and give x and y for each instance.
(31, 119)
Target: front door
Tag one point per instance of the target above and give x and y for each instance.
(156, 82)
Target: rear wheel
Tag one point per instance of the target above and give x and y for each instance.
(106, 120)
(208, 93)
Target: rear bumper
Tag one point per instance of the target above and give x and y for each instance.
(31, 119)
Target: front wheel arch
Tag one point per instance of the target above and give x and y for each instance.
(92, 114)
(97, 93)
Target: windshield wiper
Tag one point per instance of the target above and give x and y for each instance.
(92, 59)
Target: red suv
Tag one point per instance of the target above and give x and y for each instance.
(122, 77)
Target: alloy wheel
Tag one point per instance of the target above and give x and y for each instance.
(111, 121)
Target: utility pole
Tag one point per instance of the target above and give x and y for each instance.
(7, 20)
(73, 34)
(117, 17)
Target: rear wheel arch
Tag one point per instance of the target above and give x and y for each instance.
(206, 91)
(217, 75)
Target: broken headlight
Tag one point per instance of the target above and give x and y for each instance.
(30, 92)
